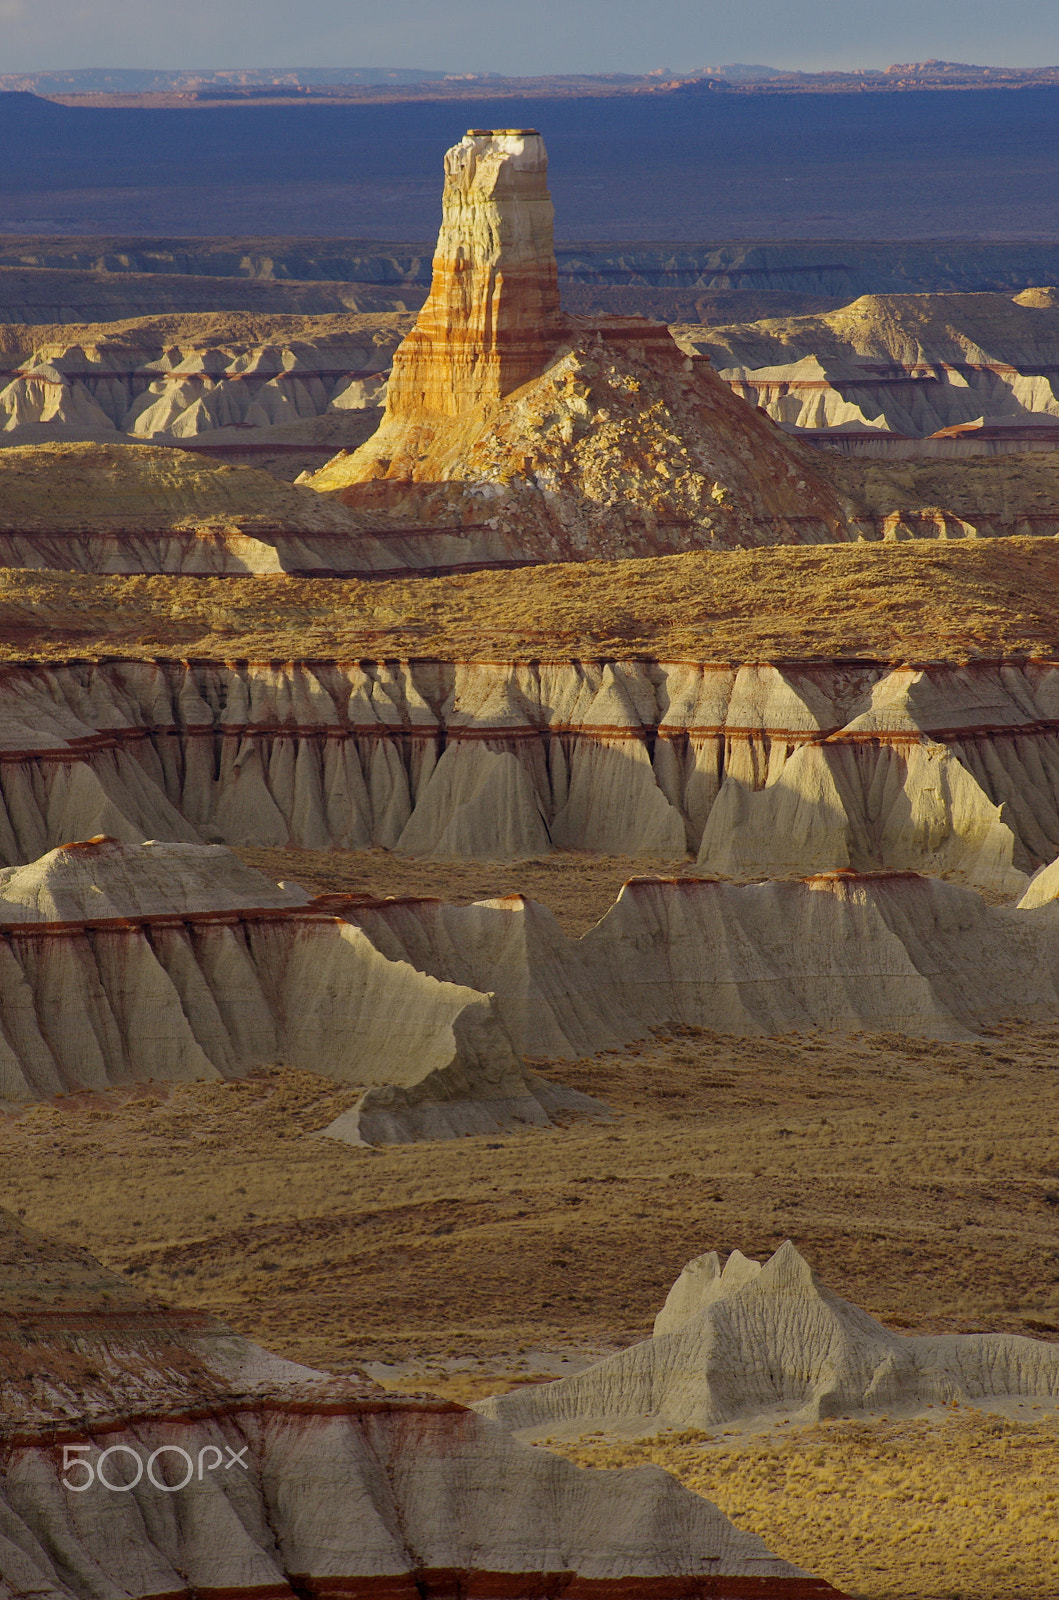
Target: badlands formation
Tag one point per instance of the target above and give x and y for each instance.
(201, 1463)
(842, 754)
(162, 963)
(913, 365)
(759, 1344)
(580, 437)
(753, 770)
(176, 378)
(185, 965)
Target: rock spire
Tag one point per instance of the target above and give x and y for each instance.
(492, 318)
(571, 437)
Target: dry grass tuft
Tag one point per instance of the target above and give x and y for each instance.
(961, 1508)
(915, 601)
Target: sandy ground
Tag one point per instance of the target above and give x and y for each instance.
(924, 600)
(962, 1506)
(921, 1179)
(579, 886)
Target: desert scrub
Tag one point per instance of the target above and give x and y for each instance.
(891, 602)
(961, 1505)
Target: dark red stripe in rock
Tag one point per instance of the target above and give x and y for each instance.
(227, 1406)
(442, 1584)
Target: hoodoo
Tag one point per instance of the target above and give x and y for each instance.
(576, 436)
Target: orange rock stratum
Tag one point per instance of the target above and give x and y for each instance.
(579, 436)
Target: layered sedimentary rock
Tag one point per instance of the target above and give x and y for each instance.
(582, 437)
(180, 378)
(840, 952)
(548, 989)
(492, 319)
(903, 364)
(756, 1344)
(988, 496)
(758, 770)
(152, 1452)
(113, 508)
(170, 962)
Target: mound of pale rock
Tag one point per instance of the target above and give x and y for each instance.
(754, 1344)
(169, 962)
(581, 437)
(199, 1463)
(100, 879)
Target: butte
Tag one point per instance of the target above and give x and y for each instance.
(569, 437)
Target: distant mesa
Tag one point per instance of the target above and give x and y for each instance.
(756, 1344)
(583, 436)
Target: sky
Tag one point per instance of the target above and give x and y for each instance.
(523, 36)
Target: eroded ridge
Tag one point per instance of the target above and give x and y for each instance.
(775, 770)
(123, 964)
(753, 1344)
(258, 1477)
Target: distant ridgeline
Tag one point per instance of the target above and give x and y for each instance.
(822, 267)
(738, 77)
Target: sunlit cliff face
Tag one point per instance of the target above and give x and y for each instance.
(492, 318)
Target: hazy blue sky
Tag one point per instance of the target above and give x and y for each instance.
(531, 36)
